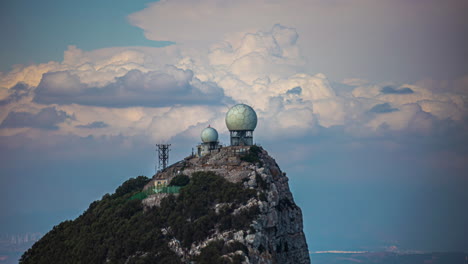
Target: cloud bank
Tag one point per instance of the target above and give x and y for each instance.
(172, 86)
(390, 40)
(46, 118)
(262, 68)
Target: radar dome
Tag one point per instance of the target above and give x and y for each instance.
(241, 117)
(209, 134)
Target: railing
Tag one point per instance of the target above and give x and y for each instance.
(164, 189)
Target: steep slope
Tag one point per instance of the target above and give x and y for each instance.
(236, 208)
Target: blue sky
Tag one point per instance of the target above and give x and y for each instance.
(362, 103)
(40, 31)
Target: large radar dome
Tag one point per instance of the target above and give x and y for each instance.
(241, 117)
(208, 135)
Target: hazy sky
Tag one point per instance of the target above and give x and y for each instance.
(363, 103)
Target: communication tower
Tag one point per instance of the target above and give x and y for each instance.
(163, 155)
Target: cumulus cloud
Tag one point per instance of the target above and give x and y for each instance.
(273, 54)
(409, 117)
(393, 90)
(383, 108)
(93, 125)
(154, 88)
(96, 67)
(296, 90)
(180, 119)
(286, 116)
(15, 93)
(254, 67)
(47, 118)
(30, 75)
(334, 34)
(140, 91)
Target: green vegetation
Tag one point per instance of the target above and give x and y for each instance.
(131, 185)
(117, 230)
(180, 180)
(252, 155)
(192, 215)
(112, 229)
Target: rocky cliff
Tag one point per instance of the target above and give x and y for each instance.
(230, 206)
(276, 233)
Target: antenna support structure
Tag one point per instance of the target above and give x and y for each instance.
(163, 155)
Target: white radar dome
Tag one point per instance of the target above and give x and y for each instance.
(241, 117)
(209, 134)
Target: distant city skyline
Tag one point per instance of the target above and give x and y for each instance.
(364, 104)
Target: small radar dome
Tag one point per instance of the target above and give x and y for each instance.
(241, 117)
(209, 134)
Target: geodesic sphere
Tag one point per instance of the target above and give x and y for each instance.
(241, 117)
(209, 134)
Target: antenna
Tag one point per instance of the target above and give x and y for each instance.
(163, 155)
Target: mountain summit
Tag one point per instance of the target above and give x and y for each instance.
(232, 205)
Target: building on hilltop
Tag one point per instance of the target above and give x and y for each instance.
(209, 137)
(241, 121)
(161, 183)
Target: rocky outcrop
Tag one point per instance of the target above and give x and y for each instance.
(276, 235)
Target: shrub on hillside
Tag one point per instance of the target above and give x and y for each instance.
(180, 180)
(117, 230)
(253, 155)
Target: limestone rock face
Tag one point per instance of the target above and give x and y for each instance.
(276, 235)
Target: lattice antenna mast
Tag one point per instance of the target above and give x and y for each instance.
(163, 155)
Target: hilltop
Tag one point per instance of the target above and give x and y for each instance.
(232, 205)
